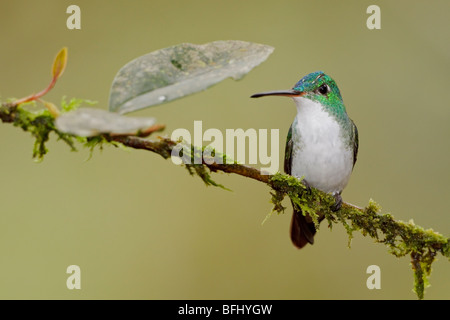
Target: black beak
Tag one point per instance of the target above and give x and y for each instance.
(284, 93)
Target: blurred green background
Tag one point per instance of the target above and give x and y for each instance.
(141, 228)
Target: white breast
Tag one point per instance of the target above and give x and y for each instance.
(320, 154)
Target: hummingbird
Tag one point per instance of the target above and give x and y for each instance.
(321, 145)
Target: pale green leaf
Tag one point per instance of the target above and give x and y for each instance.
(88, 122)
(177, 71)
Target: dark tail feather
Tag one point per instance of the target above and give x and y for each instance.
(302, 231)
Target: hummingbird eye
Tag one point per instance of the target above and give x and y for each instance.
(323, 89)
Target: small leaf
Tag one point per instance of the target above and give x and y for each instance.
(177, 71)
(59, 64)
(88, 122)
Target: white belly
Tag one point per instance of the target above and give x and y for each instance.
(320, 153)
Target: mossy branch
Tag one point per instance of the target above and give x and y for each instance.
(401, 238)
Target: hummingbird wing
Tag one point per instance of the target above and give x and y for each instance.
(355, 142)
(288, 152)
(301, 231)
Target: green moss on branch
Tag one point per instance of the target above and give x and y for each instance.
(41, 123)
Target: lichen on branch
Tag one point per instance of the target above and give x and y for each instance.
(39, 123)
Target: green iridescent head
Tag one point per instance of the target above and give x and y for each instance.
(316, 86)
(319, 87)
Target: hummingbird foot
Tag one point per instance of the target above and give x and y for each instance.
(338, 202)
